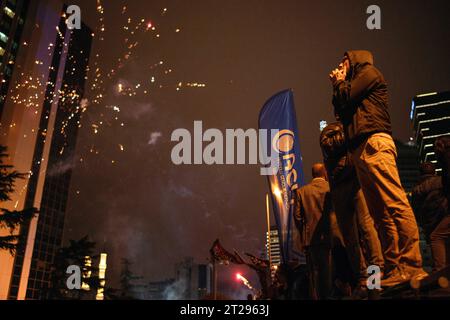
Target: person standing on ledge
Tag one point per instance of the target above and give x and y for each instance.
(360, 99)
(353, 218)
(431, 208)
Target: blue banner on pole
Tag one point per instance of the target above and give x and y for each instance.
(278, 116)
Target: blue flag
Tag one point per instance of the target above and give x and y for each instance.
(278, 117)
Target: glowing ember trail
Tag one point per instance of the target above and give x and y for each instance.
(240, 277)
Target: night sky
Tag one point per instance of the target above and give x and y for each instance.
(145, 208)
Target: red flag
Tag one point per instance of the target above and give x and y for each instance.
(257, 262)
(221, 255)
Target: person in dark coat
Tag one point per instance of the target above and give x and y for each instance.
(316, 223)
(352, 215)
(360, 99)
(442, 150)
(431, 207)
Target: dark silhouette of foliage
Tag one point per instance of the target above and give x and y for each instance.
(127, 279)
(11, 220)
(76, 253)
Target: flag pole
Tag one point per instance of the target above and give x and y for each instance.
(268, 231)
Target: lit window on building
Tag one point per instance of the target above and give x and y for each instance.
(3, 37)
(87, 273)
(101, 277)
(9, 12)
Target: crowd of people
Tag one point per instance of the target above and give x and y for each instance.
(355, 213)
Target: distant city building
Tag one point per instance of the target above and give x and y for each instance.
(138, 289)
(98, 265)
(88, 265)
(157, 290)
(39, 124)
(273, 250)
(408, 169)
(102, 276)
(192, 281)
(430, 115)
(407, 164)
(204, 280)
(12, 19)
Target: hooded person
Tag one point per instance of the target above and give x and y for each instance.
(360, 99)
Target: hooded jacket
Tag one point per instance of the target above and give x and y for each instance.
(361, 101)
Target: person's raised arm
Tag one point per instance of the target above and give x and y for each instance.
(349, 93)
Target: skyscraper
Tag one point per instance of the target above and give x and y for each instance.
(39, 125)
(12, 18)
(407, 164)
(430, 114)
(156, 290)
(193, 281)
(273, 246)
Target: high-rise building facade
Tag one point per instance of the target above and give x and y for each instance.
(273, 246)
(39, 125)
(430, 115)
(12, 18)
(157, 290)
(192, 281)
(407, 164)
